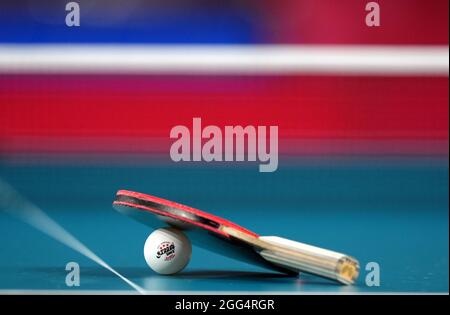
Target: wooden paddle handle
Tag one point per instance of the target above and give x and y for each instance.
(306, 258)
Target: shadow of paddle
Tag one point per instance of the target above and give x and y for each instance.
(142, 273)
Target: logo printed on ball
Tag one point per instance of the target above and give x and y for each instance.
(166, 249)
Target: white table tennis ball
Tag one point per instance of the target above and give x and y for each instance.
(167, 251)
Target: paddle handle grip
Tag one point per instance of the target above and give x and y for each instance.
(310, 259)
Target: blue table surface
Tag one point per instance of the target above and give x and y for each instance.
(396, 216)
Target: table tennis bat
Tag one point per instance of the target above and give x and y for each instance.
(229, 239)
